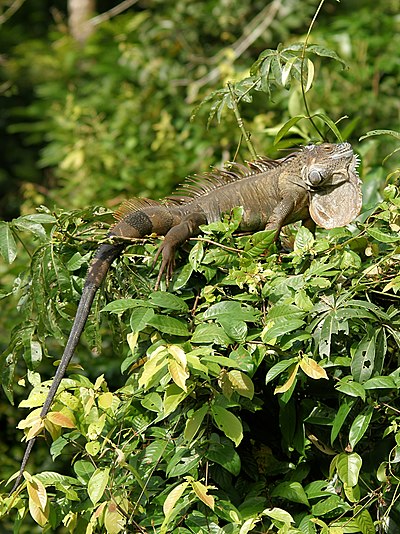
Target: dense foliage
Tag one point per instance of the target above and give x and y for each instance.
(258, 392)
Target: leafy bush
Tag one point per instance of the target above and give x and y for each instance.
(261, 386)
(196, 437)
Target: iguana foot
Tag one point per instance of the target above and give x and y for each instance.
(167, 263)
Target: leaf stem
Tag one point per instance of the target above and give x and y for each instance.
(240, 122)
(303, 57)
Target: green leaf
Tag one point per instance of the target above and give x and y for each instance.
(348, 467)
(121, 305)
(228, 423)
(171, 500)
(169, 325)
(241, 383)
(360, 426)
(221, 360)
(84, 470)
(292, 491)
(196, 255)
(279, 515)
(162, 299)
(353, 389)
(236, 330)
(325, 52)
(211, 334)
(173, 396)
(8, 246)
(26, 225)
(76, 261)
(259, 242)
(287, 127)
(382, 237)
(221, 450)
(365, 522)
(304, 240)
(140, 318)
(194, 422)
(153, 402)
(363, 357)
(183, 462)
(229, 310)
(329, 505)
(279, 368)
(380, 382)
(97, 484)
(329, 122)
(284, 312)
(342, 413)
(276, 331)
(38, 218)
(393, 133)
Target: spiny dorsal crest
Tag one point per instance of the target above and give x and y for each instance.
(134, 204)
(198, 185)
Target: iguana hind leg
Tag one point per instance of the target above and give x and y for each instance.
(175, 237)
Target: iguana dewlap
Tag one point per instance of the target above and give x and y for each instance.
(318, 183)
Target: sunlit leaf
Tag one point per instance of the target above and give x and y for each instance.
(292, 372)
(228, 423)
(97, 484)
(202, 493)
(348, 467)
(312, 368)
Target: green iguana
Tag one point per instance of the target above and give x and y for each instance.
(317, 184)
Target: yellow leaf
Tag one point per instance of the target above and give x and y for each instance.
(312, 368)
(225, 384)
(34, 423)
(178, 354)
(241, 383)
(53, 430)
(96, 428)
(38, 503)
(105, 400)
(289, 382)
(35, 429)
(173, 497)
(132, 339)
(201, 492)
(178, 373)
(60, 419)
(30, 420)
(114, 520)
(99, 381)
(155, 362)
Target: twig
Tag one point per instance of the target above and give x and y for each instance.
(303, 57)
(8, 13)
(258, 25)
(107, 15)
(239, 120)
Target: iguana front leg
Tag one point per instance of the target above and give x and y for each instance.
(174, 238)
(279, 216)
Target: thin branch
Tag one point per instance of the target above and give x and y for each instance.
(257, 26)
(107, 15)
(240, 122)
(303, 57)
(8, 13)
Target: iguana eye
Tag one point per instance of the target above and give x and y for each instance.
(327, 148)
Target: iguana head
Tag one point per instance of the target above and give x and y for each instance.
(329, 172)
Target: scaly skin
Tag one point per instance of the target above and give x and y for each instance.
(318, 184)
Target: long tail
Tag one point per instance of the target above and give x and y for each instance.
(105, 255)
